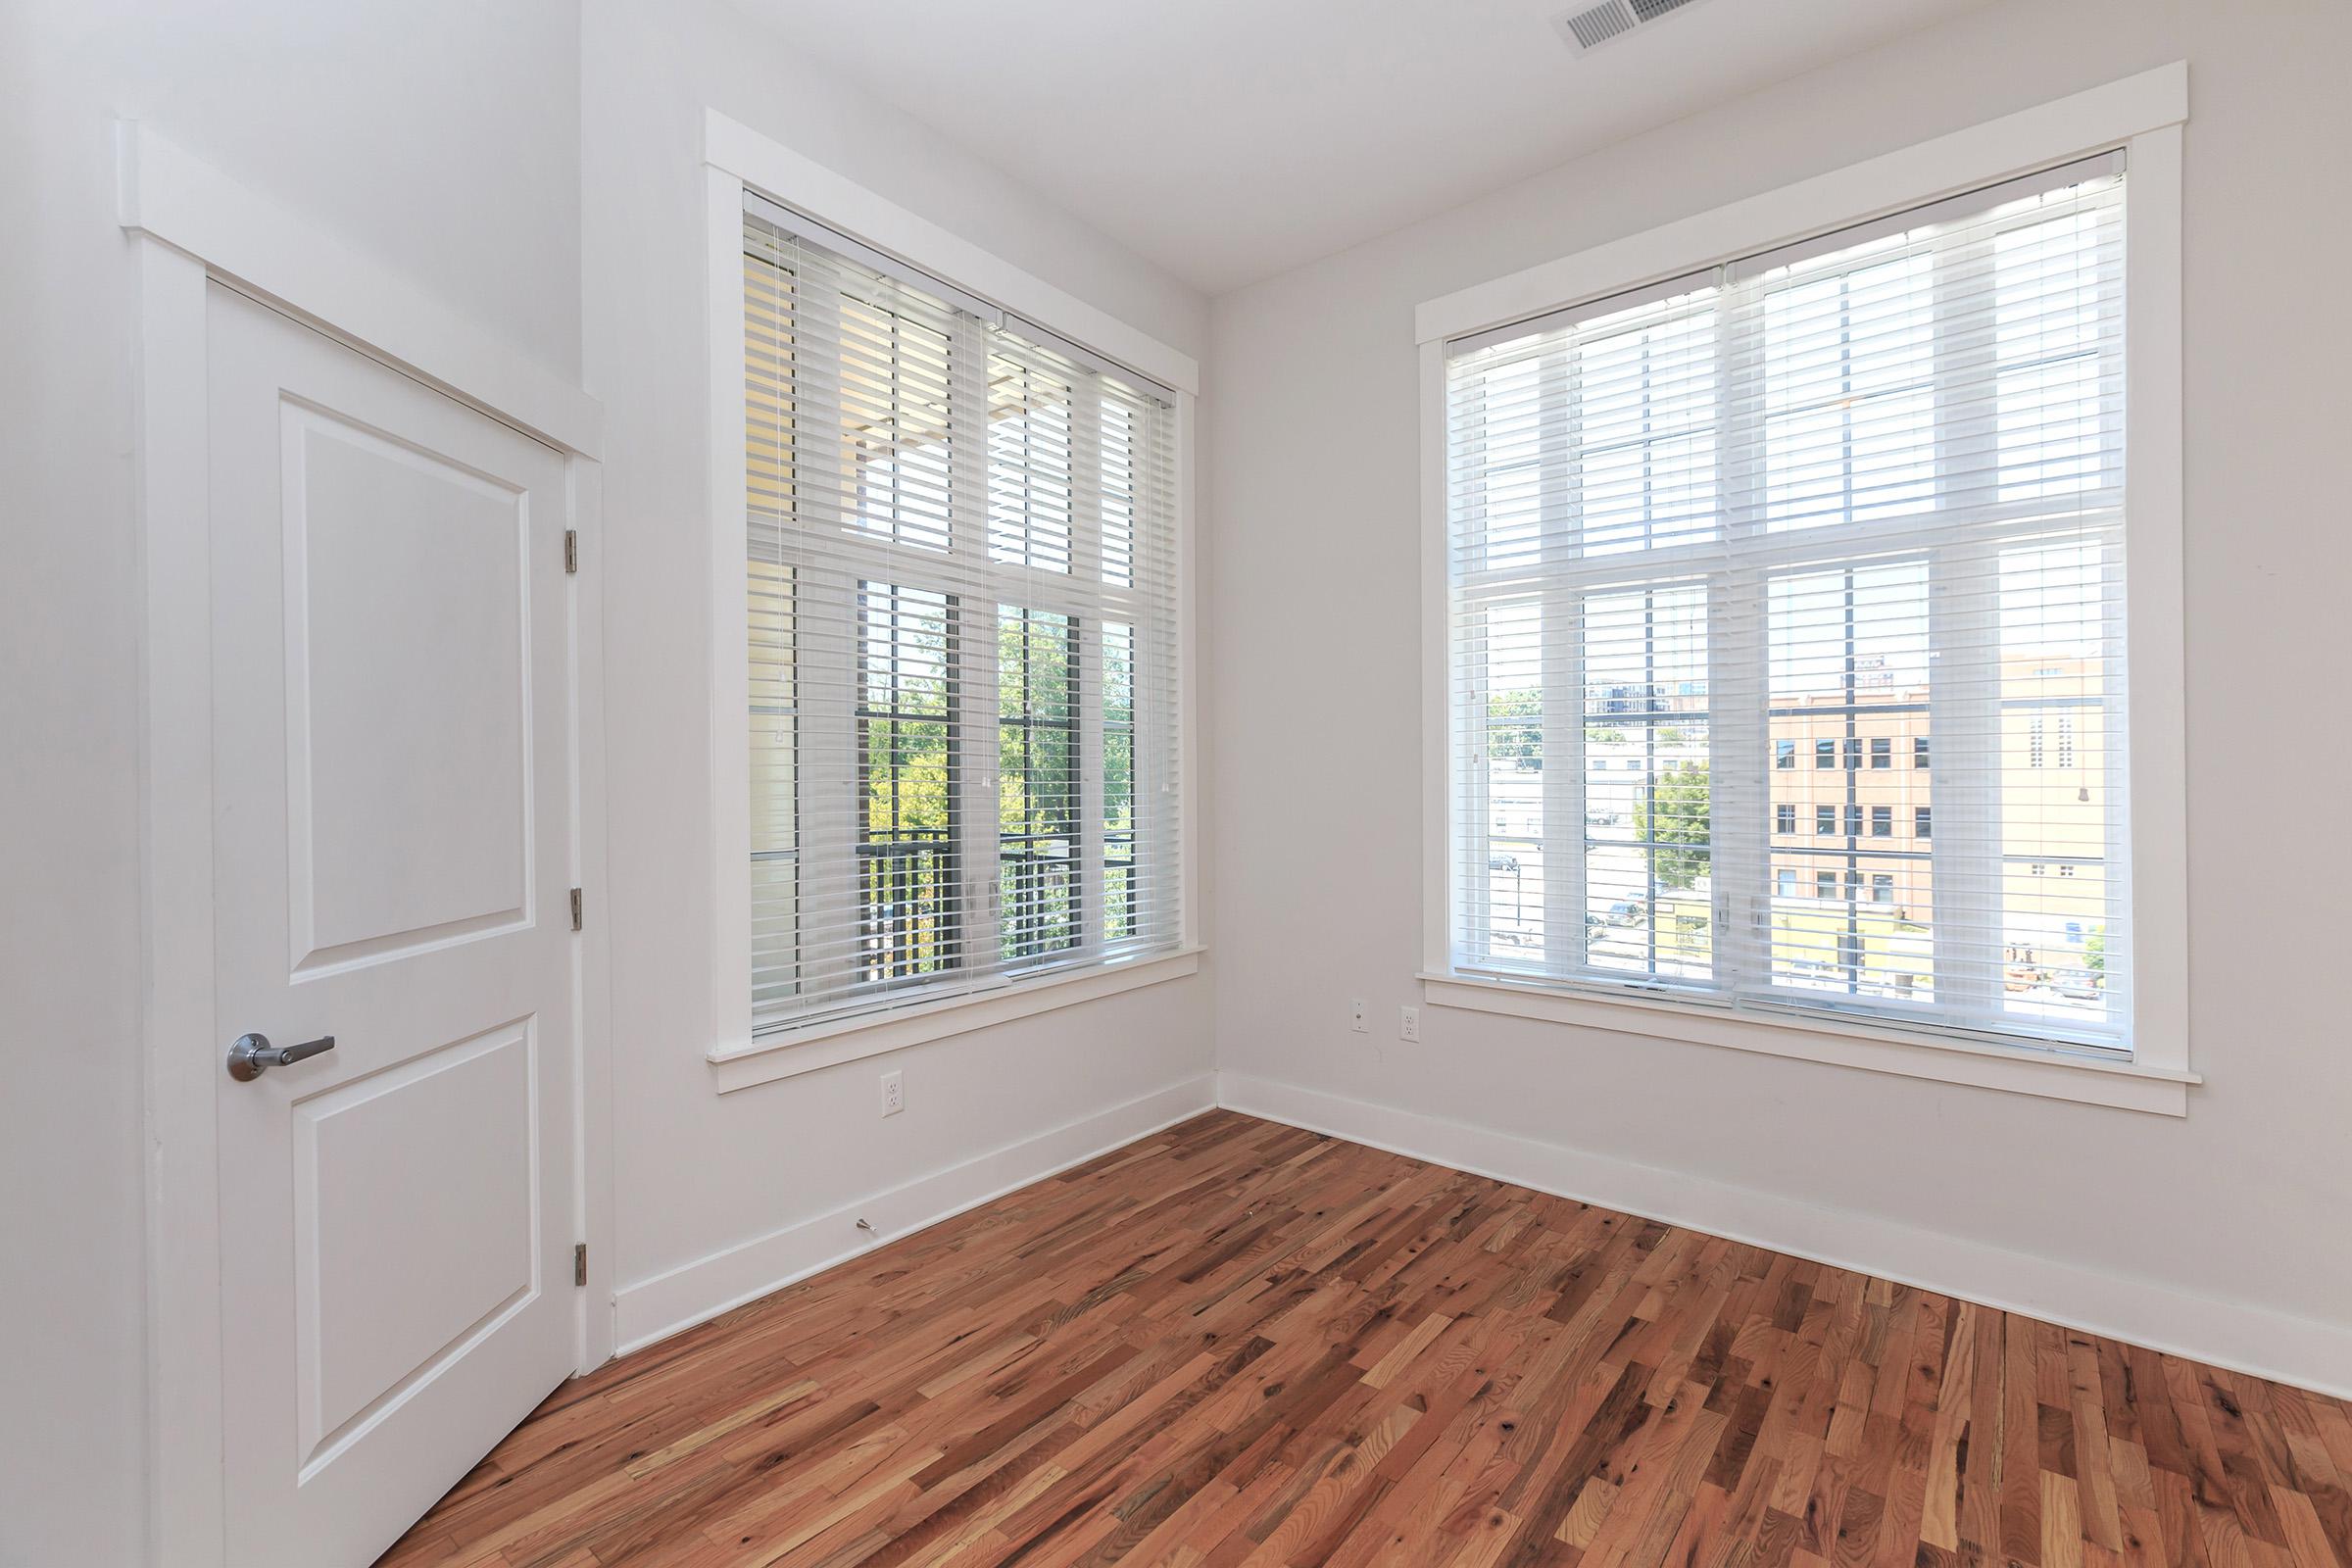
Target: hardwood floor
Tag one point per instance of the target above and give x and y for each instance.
(1238, 1343)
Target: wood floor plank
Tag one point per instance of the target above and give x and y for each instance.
(1238, 1345)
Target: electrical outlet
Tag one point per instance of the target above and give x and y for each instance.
(1356, 1020)
(1409, 1023)
(894, 1093)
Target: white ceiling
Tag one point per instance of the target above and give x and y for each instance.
(1228, 141)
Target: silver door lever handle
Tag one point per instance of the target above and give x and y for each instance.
(254, 1055)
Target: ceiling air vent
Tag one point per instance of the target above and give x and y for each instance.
(1593, 25)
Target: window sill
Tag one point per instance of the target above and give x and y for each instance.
(763, 1060)
(2126, 1086)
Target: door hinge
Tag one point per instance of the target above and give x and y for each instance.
(579, 1263)
(571, 549)
(575, 909)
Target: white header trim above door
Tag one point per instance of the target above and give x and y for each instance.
(239, 233)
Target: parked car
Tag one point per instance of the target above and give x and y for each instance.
(1627, 911)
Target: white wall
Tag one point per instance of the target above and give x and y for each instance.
(2191, 1231)
(446, 139)
(374, 118)
(762, 1170)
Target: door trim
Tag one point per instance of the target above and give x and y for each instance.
(190, 226)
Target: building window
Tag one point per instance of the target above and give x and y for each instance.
(962, 638)
(1923, 819)
(1784, 883)
(1789, 467)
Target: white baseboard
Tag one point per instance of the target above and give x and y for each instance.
(2238, 1335)
(692, 1293)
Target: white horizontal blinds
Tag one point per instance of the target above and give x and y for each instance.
(936, 630)
(1137, 697)
(1775, 593)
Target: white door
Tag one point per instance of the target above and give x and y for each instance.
(392, 864)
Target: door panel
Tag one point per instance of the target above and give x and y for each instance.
(390, 1280)
(392, 864)
(407, 640)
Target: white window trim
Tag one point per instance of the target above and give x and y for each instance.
(735, 159)
(2142, 114)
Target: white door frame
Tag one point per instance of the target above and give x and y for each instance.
(188, 225)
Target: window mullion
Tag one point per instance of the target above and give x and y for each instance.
(1559, 529)
(1964, 649)
(1085, 478)
(1088, 673)
(825, 615)
(1739, 731)
(973, 741)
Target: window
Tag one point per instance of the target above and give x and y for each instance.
(1784, 819)
(1868, 483)
(1922, 821)
(1784, 883)
(963, 641)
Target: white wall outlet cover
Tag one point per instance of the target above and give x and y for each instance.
(894, 1093)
